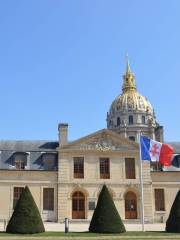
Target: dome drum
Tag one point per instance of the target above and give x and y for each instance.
(131, 120)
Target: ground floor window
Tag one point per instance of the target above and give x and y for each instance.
(16, 195)
(48, 199)
(159, 200)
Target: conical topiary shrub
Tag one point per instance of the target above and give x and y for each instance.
(173, 222)
(26, 217)
(106, 218)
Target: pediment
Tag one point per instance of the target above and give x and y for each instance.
(103, 140)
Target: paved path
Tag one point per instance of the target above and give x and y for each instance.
(82, 227)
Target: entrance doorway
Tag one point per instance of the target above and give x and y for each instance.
(78, 205)
(130, 206)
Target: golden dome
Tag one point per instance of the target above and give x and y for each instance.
(131, 112)
(130, 99)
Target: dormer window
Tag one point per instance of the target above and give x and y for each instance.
(20, 160)
(131, 121)
(49, 161)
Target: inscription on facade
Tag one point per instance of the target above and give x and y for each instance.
(103, 143)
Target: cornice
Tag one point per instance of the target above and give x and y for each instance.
(99, 152)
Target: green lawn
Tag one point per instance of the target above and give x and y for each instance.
(88, 234)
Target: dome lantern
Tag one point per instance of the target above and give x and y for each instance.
(129, 78)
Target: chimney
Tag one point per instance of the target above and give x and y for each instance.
(63, 134)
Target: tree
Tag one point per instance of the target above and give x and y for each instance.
(26, 217)
(106, 218)
(173, 222)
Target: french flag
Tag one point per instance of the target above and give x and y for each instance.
(156, 151)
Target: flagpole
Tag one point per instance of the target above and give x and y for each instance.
(141, 184)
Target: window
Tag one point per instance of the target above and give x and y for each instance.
(110, 122)
(104, 168)
(132, 138)
(49, 161)
(130, 205)
(78, 167)
(20, 160)
(16, 195)
(130, 168)
(159, 200)
(78, 205)
(131, 120)
(48, 199)
(143, 120)
(118, 121)
(91, 205)
(156, 166)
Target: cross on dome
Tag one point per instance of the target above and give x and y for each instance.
(128, 69)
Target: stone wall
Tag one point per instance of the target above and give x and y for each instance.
(91, 184)
(36, 181)
(170, 182)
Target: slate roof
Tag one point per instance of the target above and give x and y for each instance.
(28, 146)
(35, 150)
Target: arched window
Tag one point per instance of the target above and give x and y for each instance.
(143, 120)
(131, 120)
(118, 121)
(78, 205)
(130, 205)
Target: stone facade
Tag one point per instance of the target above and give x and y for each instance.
(51, 165)
(37, 181)
(106, 144)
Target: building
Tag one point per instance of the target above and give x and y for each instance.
(65, 177)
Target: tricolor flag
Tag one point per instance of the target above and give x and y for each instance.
(156, 151)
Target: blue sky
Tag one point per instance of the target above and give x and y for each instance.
(63, 61)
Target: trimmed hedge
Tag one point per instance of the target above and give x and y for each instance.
(173, 222)
(106, 218)
(26, 217)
